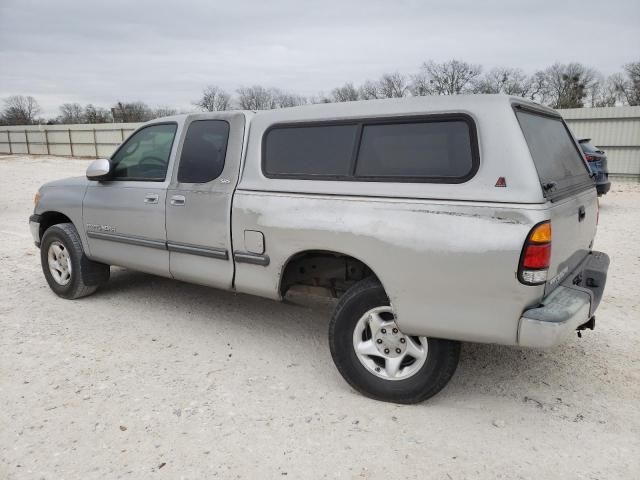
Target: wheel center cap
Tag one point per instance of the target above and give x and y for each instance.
(389, 341)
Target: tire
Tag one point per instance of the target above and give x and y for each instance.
(74, 276)
(423, 381)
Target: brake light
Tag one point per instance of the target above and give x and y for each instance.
(536, 255)
(590, 158)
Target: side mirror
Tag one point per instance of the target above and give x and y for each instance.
(98, 169)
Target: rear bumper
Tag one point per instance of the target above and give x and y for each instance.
(34, 226)
(567, 307)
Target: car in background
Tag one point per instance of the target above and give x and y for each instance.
(597, 161)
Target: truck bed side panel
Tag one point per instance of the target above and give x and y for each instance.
(448, 268)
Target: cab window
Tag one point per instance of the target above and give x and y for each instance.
(203, 151)
(145, 155)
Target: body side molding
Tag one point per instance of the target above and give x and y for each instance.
(128, 239)
(219, 253)
(252, 258)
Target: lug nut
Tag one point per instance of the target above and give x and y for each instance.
(398, 350)
(402, 340)
(386, 350)
(384, 330)
(395, 330)
(379, 340)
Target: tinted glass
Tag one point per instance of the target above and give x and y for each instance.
(427, 149)
(588, 148)
(203, 151)
(145, 155)
(554, 154)
(324, 150)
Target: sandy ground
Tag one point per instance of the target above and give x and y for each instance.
(153, 378)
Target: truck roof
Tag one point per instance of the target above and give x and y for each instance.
(423, 104)
(387, 106)
(502, 148)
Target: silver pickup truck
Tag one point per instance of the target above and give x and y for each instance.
(432, 220)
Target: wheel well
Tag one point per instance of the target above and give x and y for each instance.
(332, 271)
(48, 219)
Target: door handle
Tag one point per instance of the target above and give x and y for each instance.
(581, 213)
(151, 198)
(178, 200)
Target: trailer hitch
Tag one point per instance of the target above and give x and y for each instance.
(591, 324)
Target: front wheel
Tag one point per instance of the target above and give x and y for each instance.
(380, 361)
(68, 271)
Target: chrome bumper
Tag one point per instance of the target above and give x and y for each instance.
(567, 307)
(34, 226)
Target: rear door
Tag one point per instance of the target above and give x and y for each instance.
(198, 204)
(566, 182)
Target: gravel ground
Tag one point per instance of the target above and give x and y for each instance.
(154, 378)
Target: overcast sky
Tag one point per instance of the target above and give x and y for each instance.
(164, 52)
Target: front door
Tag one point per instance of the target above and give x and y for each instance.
(199, 200)
(125, 215)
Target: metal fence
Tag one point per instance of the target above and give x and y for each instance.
(98, 141)
(616, 130)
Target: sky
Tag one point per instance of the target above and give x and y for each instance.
(164, 53)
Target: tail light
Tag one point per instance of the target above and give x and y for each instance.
(536, 255)
(590, 158)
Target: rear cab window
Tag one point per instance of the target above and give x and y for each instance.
(560, 165)
(203, 151)
(438, 148)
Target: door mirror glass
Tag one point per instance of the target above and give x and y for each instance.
(98, 169)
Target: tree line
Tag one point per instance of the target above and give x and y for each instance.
(571, 85)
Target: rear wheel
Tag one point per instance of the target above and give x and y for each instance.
(380, 361)
(68, 271)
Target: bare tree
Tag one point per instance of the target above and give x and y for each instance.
(71, 113)
(603, 92)
(214, 99)
(164, 112)
(446, 78)
(565, 85)
(320, 98)
(345, 93)
(629, 88)
(131, 112)
(369, 91)
(538, 84)
(285, 99)
(96, 114)
(256, 97)
(20, 110)
(510, 81)
(392, 85)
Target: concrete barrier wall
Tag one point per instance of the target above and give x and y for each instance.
(616, 130)
(97, 140)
